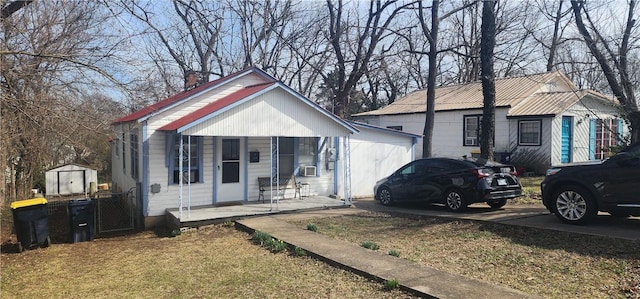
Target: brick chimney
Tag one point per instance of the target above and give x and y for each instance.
(190, 80)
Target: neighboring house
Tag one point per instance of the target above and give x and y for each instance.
(209, 145)
(70, 179)
(540, 120)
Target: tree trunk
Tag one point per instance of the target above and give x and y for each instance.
(431, 82)
(488, 79)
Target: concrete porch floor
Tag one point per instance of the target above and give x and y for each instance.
(204, 215)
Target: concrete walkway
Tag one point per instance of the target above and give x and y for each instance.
(412, 277)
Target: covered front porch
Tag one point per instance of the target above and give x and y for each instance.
(205, 215)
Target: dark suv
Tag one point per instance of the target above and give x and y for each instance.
(456, 183)
(576, 192)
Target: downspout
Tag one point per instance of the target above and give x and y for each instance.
(145, 170)
(336, 146)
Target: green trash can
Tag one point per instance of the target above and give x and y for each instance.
(31, 222)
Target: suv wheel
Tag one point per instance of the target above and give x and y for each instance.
(574, 205)
(454, 200)
(384, 195)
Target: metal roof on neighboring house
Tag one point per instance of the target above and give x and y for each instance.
(535, 94)
(552, 103)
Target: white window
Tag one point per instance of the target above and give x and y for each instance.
(471, 130)
(295, 153)
(529, 132)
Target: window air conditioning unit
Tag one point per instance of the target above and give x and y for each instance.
(194, 176)
(309, 171)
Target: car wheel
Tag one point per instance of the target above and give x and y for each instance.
(384, 195)
(574, 205)
(496, 204)
(454, 200)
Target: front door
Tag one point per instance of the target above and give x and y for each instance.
(230, 167)
(567, 139)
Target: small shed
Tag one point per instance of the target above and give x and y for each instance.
(70, 179)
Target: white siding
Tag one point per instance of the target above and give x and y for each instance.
(121, 177)
(447, 131)
(195, 103)
(582, 112)
(375, 154)
(319, 185)
(275, 113)
(169, 195)
(533, 158)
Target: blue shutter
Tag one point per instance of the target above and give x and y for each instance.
(566, 139)
(592, 139)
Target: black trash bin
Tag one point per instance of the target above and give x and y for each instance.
(82, 220)
(31, 222)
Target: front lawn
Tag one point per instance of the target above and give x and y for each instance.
(212, 262)
(551, 264)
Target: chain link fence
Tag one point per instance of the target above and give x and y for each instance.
(114, 212)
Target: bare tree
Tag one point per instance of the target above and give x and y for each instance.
(432, 36)
(488, 79)
(354, 45)
(614, 62)
(51, 57)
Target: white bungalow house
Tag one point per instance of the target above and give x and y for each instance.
(209, 145)
(540, 120)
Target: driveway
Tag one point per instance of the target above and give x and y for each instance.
(525, 215)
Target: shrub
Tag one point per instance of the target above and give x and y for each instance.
(370, 245)
(394, 252)
(228, 224)
(259, 237)
(299, 251)
(391, 285)
(312, 227)
(274, 245)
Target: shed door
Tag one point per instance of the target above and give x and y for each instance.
(230, 170)
(567, 139)
(71, 182)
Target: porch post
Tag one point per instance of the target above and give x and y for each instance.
(189, 177)
(275, 148)
(347, 170)
(180, 153)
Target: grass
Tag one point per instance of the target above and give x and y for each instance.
(211, 262)
(549, 264)
(530, 190)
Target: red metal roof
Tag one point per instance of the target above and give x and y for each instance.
(215, 106)
(173, 99)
